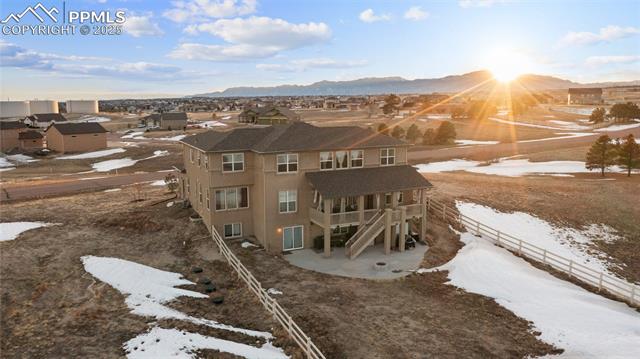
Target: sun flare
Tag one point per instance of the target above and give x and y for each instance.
(506, 66)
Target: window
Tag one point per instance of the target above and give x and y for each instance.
(326, 160)
(208, 200)
(191, 155)
(387, 156)
(292, 238)
(199, 191)
(287, 162)
(287, 201)
(199, 160)
(233, 162)
(206, 161)
(232, 198)
(357, 158)
(233, 230)
(188, 186)
(342, 159)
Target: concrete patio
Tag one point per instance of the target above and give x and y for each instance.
(398, 264)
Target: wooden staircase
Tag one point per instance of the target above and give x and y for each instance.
(365, 235)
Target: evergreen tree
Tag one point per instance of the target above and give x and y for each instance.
(383, 129)
(624, 111)
(597, 115)
(397, 132)
(429, 137)
(391, 103)
(602, 154)
(629, 154)
(413, 133)
(446, 133)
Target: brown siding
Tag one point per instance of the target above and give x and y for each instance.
(9, 139)
(31, 144)
(75, 143)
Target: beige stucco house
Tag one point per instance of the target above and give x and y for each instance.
(31, 140)
(76, 137)
(299, 186)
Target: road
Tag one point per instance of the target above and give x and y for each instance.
(486, 152)
(37, 189)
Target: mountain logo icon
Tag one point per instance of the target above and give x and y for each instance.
(34, 10)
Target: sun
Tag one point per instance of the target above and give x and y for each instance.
(506, 66)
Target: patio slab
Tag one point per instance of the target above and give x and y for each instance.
(398, 264)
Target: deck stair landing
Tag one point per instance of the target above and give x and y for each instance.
(365, 235)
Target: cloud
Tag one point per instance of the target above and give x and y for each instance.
(141, 25)
(308, 64)
(416, 13)
(606, 34)
(201, 10)
(248, 38)
(369, 16)
(15, 56)
(595, 61)
(479, 3)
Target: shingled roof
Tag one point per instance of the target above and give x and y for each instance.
(47, 117)
(361, 181)
(29, 135)
(295, 136)
(11, 125)
(78, 128)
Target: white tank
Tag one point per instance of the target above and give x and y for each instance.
(43, 106)
(82, 106)
(14, 109)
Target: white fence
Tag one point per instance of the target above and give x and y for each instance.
(617, 287)
(303, 341)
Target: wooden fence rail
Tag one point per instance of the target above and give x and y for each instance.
(285, 320)
(615, 286)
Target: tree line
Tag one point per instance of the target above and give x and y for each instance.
(607, 152)
(445, 134)
(620, 112)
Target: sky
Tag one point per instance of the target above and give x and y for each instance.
(177, 48)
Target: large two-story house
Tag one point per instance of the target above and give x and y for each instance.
(294, 186)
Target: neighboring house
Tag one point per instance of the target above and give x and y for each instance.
(30, 140)
(9, 134)
(584, 96)
(299, 186)
(621, 94)
(166, 121)
(268, 115)
(76, 137)
(44, 120)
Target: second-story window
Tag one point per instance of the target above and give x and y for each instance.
(206, 160)
(387, 156)
(199, 159)
(342, 159)
(232, 198)
(233, 162)
(357, 158)
(287, 201)
(191, 155)
(287, 162)
(326, 160)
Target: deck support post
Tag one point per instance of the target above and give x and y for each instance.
(403, 228)
(327, 228)
(387, 230)
(361, 210)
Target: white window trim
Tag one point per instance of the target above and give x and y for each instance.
(351, 159)
(292, 227)
(332, 160)
(232, 155)
(287, 163)
(287, 201)
(387, 156)
(232, 236)
(238, 197)
(335, 160)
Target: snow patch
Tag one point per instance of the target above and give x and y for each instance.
(618, 127)
(112, 190)
(446, 166)
(22, 158)
(134, 136)
(474, 142)
(11, 230)
(247, 245)
(563, 135)
(95, 154)
(174, 138)
(274, 291)
(209, 124)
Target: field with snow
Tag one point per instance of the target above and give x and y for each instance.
(11, 230)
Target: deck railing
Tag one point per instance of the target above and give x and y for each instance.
(615, 286)
(272, 306)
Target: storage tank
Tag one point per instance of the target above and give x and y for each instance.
(43, 106)
(82, 106)
(14, 109)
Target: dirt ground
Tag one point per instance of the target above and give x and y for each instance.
(52, 308)
(570, 201)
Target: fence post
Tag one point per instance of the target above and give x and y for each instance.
(520, 247)
(570, 267)
(444, 212)
(290, 323)
(544, 257)
(600, 282)
(477, 228)
(309, 347)
(498, 239)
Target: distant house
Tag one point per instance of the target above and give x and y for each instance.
(268, 115)
(166, 121)
(30, 140)
(584, 96)
(76, 137)
(44, 120)
(9, 134)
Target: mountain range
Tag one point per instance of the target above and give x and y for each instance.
(482, 80)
